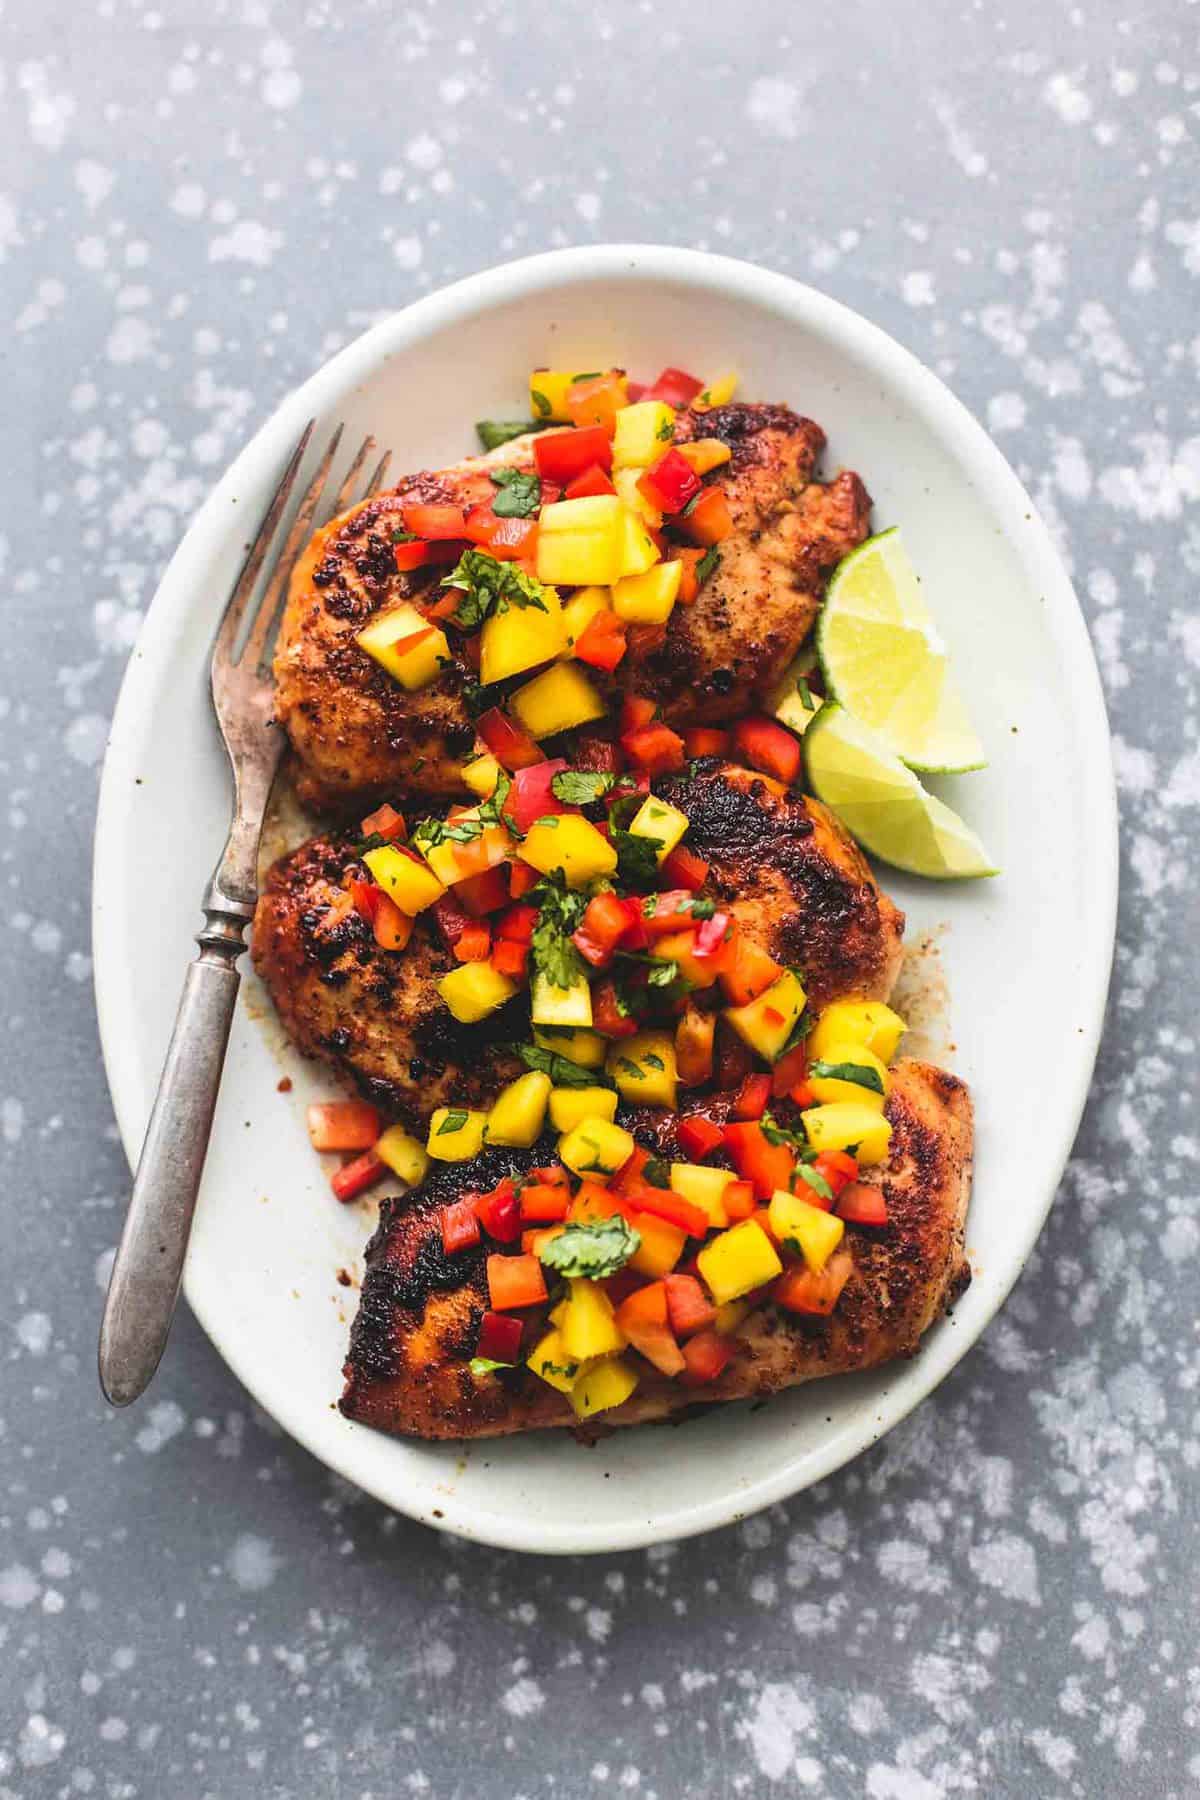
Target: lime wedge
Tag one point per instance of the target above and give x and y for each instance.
(883, 660)
(883, 805)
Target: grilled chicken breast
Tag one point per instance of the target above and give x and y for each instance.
(782, 863)
(358, 735)
(418, 1320)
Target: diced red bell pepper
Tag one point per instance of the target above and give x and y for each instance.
(597, 401)
(768, 1166)
(802, 1290)
(343, 1125)
(592, 481)
(791, 1068)
(452, 921)
(531, 796)
(413, 555)
(655, 748)
(688, 1306)
(521, 877)
(838, 1167)
(601, 644)
(708, 519)
(562, 455)
(599, 755)
(769, 747)
(682, 868)
(636, 711)
(707, 1355)
(514, 539)
(607, 1017)
(670, 1206)
(751, 1099)
(511, 959)
(670, 482)
(357, 1176)
(434, 523)
(392, 927)
(471, 650)
(738, 1200)
(802, 1095)
(734, 1061)
(628, 1178)
(749, 973)
(667, 912)
(862, 1204)
(481, 524)
(499, 1212)
(716, 941)
(499, 1338)
(642, 1317)
(513, 748)
(602, 927)
(483, 893)
(636, 390)
(473, 943)
(385, 822)
(517, 923)
(705, 740)
(515, 1281)
(676, 387)
(460, 1227)
(698, 1136)
(542, 1204)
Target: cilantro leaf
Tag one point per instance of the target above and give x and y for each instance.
(592, 1250)
(489, 585)
(805, 693)
(561, 1070)
(661, 975)
(494, 432)
(579, 787)
(813, 1179)
(453, 1121)
(775, 1133)
(861, 1074)
(708, 564)
(428, 833)
(485, 1365)
(519, 495)
(541, 405)
(560, 909)
(637, 857)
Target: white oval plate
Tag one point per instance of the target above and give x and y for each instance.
(1026, 956)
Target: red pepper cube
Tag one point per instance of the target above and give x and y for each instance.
(357, 1176)
(460, 1227)
(562, 455)
(514, 1282)
(499, 1338)
(670, 482)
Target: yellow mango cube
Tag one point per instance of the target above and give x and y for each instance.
(858, 1062)
(520, 638)
(644, 1068)
(626, 483)
(648, 599)
(481, 775)
(492, 846)
(719, 392)
(661, 1246)
(639, 551)
(848, 1127)
(549, 1360)
(571, 843)
(767, 1023)
(519, 1111)
(597, 1147)
(557, 700)
(605, 1384)
(867, 1022)
(738, 1261)
(570, 1106)
(551, 1005)
(659, 820)
(589, 1327)
(643, 432)
(587, 1048)
(417, 666)
(410, 883)
(704, 1187)
(474, 990)
(404, 1155)
(808, 1229)
(579, 612)
(455, 1134)
(548, 390)
(581, 542)
(703, 455)
(792, 701)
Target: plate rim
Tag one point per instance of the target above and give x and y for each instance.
(966, 440)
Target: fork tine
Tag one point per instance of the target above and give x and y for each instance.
(244, 587)
(271, 604)
(381, 469)
(345, 493)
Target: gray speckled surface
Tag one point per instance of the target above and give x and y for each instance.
(198, 203)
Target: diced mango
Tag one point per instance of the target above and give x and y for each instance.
(643, 1068)
(410, 883)
(829, 1089)
(550, 1360)
(593, 1202)
(626, 483)
(792, 701)
(557, 700)
(404, 1155)
(705, 454)
(639, 551)
(481, 776)
(679, 947)
(521, 638)
(660, 820)
(570, 1106)
(767, 1023)
(412, 668)
(738, 1261)
(731, 1315)
(661, 1246)
(589, 1327)
(569, 842)
(519, 1111)
(579, 612)
(704, 1187)
(551, 1005)
(492, 846)
(581, 542)
(605, 1384)
(587, 1048)
(643, 432)
(719, 392)
(648, 599)
(455, 1135)
(809, 1229)
(842, 1127)
(597, 1147)
(548, 390)
(474, 990)
(867, 1022)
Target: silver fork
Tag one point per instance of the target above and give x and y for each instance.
(144, 1285)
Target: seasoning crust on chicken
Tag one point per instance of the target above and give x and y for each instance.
(418, 1321)
(358, 735)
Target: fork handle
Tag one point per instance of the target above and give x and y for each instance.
(144, 1285)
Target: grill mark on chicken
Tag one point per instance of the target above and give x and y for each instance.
(410, 1345)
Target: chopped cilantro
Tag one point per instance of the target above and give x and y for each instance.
(494, 432)
(628, 1067)
(519, 493)
(775, 1133)
(663, 974)
(654, 1062)
(588, 375)
(815, 1180)
(666, 431)
(399, 536)
(554, 955)
(453, 1121)
(805, 693)
(709, 563)
(486, 1365)
(594, 1250)
(579, 787)
(861, 1074)
(637, 857)
(541, 405)
(561, 1070)
(428, 833)
(489, 585)
(657, 1173)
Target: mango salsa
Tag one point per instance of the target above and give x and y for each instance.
(597, 1147)
(548, 390)
(648, 599)
(416, 666)
(492, 846)
(605, 1384)
(519, 1111)
(481, 775)
(581, 542)
(521, 638)
(551, 1005)
(455, 1135)
(410, 883)
(867, 1022)
(474, 990)
(557, 700)
(643, 432)
(626, 483)
(570, 1106)
(579, 612)
(550, 1360)
(703, 1187)
(767, 1023)
(587, 1048)
(738, 1261)
(809, 1229)
(639, 551)
(659, 820)
(571, 843)
(403, 1155)
(661, 1246)
(830, 1088)
(842, 1127)
(589, 1327)
(644, 1069)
